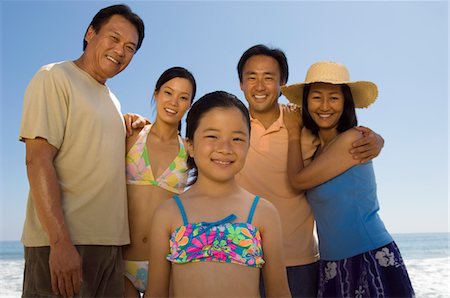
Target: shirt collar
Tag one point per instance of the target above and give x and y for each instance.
(275, 126)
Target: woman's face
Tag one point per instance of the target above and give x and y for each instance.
(173, 99)
(325, 105)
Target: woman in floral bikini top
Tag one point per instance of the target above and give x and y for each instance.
(156, 169)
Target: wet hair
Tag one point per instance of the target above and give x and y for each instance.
(216, 99)
(263, 50)
(348, 117)
(177, 72)
(104, 14)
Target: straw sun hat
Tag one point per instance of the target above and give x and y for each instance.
(364, 92)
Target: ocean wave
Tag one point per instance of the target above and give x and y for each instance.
(11, 278)
(428, 276)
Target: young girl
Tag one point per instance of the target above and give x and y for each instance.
(214, 238)
(156, 169)
(358, 255)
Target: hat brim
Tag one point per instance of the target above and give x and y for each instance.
(364, 92)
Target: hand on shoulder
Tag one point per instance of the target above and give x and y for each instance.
(350, 136)
(134, 123)
(292, 117)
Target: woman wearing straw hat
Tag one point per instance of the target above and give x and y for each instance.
(358, 255)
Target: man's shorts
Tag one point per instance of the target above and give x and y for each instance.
(303, 280)
(102, 272)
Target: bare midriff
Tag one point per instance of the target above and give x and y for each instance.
(143, 200)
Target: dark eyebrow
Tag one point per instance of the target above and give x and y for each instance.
(240, 132)
(254, 72)
(182, 92)
(318, 91)
(216, 130)
(206, 130)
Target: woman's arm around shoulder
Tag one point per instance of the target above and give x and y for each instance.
(274, 269)
(159, 266)
(332, 162)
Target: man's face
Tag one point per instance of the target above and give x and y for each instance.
(261, 84)
(110, 50)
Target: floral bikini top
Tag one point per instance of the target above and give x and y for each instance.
(221, 241)
(139, 171)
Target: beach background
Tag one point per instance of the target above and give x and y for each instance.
(403, 46)
(426, 257)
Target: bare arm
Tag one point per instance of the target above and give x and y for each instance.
(159, 269)
(274, 270)
(332, 162)
(131, 140)
(368, 147)
(64, 260)
(294, 125)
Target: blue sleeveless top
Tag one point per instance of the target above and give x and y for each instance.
(220, 241)
(345, 209)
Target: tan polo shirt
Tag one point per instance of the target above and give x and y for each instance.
(265, 174)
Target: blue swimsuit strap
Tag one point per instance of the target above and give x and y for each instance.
(180, 206)
(252, 210)
(229, 218)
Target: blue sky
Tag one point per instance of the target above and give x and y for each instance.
(401, 46)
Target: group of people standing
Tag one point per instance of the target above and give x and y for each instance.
(112, 214)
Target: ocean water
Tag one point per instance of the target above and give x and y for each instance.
(426, 256)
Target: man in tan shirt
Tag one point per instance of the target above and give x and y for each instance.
(262, 71)
(74, 133)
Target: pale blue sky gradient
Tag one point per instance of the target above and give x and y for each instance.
(401, 46)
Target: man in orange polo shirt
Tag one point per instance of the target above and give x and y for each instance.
(261, 72)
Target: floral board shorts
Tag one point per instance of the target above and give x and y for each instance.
(376, 273)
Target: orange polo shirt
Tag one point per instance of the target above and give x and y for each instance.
(265, 174)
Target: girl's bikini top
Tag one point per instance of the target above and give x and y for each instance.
(220, 241)
(139, 170)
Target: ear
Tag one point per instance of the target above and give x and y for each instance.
(188, 144)
(240, 85)
(89, 34)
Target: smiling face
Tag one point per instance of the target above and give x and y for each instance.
(325, 105)
(110, 50)
(220, 144)
(173, 99)
(261, 84)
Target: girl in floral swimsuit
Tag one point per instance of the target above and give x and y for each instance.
(156, 169)
(216, 238)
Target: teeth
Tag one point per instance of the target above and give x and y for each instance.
(170, 111)
(222, 162)
(112, 59)
(260, 96)
(324, 115)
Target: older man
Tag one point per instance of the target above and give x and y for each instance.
(74, 133)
